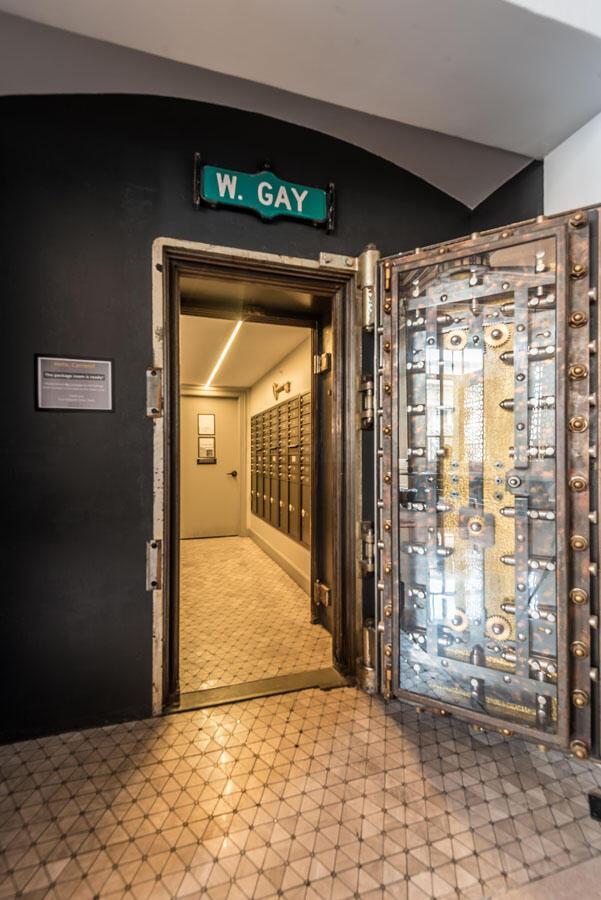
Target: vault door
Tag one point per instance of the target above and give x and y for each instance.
(486, 464)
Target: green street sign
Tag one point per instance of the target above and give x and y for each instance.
(263, 193)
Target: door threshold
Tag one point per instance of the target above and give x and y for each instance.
(325, 679)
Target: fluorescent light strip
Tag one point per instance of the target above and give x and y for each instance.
(224, 352)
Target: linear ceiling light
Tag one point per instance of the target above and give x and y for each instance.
(224, 352)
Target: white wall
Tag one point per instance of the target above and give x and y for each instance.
(573, 170)
(296, 368)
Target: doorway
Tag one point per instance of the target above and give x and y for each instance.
(244, 292)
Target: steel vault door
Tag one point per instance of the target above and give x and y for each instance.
(486, 460)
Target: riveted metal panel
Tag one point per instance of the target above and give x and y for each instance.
(486, 479)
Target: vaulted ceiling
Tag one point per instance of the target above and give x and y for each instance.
(463, 92)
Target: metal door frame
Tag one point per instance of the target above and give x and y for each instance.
(336, 277)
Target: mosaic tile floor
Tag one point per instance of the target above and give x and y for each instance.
(307, 796)
(242, 618)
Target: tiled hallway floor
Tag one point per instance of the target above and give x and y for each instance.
(304, 795)
(242, 618)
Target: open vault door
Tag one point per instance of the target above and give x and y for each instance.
(487, 438)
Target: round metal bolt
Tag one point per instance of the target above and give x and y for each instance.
(577, 270)
(579, 749)
(387, 478)
(387, 346)
(578, 423)
(387, 306)
(387, 526)
(578, 319)
(577, 220)
(578, 542)
(387, 388)
(578, 596)
(577, 372)
(578, 483)
(386, 429)
(388, 650)
(579, 649)
(579, 698)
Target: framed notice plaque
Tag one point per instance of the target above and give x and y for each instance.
(69, 383)
(206, 450)
(206, 423)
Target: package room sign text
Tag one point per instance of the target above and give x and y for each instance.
(68, 383)
(263, 193)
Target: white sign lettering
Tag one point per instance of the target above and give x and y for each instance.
(226, 183)
(264, 193)
(299, 197)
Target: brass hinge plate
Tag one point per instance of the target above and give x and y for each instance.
(368, 544)
(322, 363)
(154, 392)
(366, 402)
(322, 594)
(337, 261)
(154, 568)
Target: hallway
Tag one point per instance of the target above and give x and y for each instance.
(242, 618)
(304, 795)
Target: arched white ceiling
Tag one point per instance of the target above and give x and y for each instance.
(485, 70)
(436, 86)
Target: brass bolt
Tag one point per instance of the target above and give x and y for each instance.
(506, 234)
(388, 611)
(578, 483)
(387, 568)
(442, 250)
(580, 698)
(387, 526)
(386, 429)
(387, 306)
(578, 319)
(578, 423)
(579, 649)
(478, 729)
(577, 220)
(542, 747)
(578, 542)
(579, 749)
(387, 388)
(388, 650)
(578, 596)
(506, 732)
(387, 346)
(577, 271)
(388, 478)
(577, 372)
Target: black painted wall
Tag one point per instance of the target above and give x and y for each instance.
(87, 183)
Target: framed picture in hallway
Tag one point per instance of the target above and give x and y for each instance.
(206, 423)
(206, 450)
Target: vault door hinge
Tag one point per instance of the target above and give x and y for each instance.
(322, 593)
(154, 392)
(322, 363)
(366, 402)
(153, 565)
(367, 281)
(368, 545)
